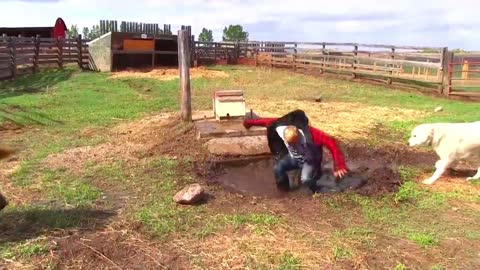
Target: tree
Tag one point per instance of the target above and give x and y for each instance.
(206, 35)
(73, 31)
(85, 32)
(91, 33)
(234, 33)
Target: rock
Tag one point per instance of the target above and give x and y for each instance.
(438, 109)
(190, 194)
(318, 98)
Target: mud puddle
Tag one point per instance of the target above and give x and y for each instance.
(255, 177)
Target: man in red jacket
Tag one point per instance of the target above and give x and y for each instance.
(319, 138)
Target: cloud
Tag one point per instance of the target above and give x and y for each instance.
(431, 23)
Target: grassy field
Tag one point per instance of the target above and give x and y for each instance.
(100, 159)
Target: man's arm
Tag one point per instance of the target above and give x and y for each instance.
(261, 122)
(321, 138)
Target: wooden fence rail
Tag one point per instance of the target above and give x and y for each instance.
(464, 78)
(19, 55)
(426, 67)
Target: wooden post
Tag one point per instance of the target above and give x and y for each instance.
(60, 53)
(447, 77)
(294, 57)
(36, 53)
(392, 56)
(355, 61)
(465, 69)
(13, 56)
(215, 52)
(184, 72)
(79, 51)
(444, 68)
(192, 50)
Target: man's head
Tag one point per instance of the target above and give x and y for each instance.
(291, 134)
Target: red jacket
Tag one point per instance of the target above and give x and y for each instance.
(319, 138)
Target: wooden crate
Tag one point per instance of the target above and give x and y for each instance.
(229, 104)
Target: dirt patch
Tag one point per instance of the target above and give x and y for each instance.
(130, 142)
(168, 74)
(114, 250)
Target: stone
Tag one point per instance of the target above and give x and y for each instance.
(438, 109)
(318, 98)
(190, 194)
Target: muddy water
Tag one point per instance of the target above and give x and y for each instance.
(255, 177)
(251, 177)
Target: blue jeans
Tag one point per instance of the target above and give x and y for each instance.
(287, 164)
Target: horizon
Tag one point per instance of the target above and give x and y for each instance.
(443, 23)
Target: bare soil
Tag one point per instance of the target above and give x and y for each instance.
(167, 74)
(250, 188)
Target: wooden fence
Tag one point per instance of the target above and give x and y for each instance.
(464, 78)
(134, 27)
(423, 67)
(218, 52)
(20, 55)
(404, 63)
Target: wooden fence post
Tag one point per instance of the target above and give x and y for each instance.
(355, 61)
(13, 57)
(215, 52)
(322, 69)
(36, 53)
(184, 72)
(79, 51)
(443, 72)
(60, 53)
(294, 57)
(465, 69)
(447, 76)
(192, 50)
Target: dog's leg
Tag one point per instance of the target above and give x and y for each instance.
(476, 176)
(440, 166)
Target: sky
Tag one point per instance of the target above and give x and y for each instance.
(438, 23)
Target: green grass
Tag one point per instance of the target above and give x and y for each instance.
(424, 240)
(289, 262)
(24, 250)
(400, 266)
(55, 106)
(341, 253)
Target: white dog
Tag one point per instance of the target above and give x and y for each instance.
(451, 141)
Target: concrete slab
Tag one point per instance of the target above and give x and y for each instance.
(226, 128)
(239, 146)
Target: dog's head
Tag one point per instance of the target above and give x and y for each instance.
(421, 135)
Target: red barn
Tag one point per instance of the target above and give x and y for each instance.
(58, 30)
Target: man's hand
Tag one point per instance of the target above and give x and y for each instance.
(246, 125)
(340, 173)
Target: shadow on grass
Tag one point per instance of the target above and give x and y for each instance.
(18, 224)
(34, 83)
(18, 115)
